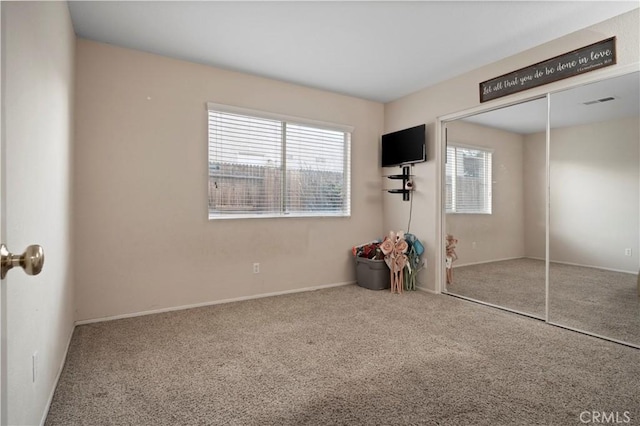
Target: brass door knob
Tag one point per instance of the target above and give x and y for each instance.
(31, 260)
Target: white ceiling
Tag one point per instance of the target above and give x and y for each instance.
(373, 50)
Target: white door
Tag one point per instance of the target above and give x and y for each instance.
(8, 260)
(36, 312)
(3, 293)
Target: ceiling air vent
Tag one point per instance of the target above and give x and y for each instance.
(597, 101)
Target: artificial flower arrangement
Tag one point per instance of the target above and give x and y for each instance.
(401, 252)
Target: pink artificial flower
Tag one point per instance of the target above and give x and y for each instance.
(399, 263)
(387, 246)
(401, 246)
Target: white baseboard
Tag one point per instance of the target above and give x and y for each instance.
(426, 290)
(55, 382)
(587, 266)
(210, 303)
(487, 261)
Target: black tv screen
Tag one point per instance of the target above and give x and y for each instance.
(404, 146)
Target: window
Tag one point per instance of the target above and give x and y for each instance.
(468, 180)
(265, 165)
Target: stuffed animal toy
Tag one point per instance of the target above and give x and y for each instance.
(451, 256)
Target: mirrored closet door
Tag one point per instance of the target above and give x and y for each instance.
(548, 225)
(495, 207)
(594, 232)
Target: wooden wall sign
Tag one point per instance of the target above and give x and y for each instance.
(588, 58)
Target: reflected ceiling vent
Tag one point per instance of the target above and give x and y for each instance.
(597, 101)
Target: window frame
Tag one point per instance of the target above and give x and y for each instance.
(286, 120)
(488, 179)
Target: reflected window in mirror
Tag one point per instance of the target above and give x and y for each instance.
(468, 180)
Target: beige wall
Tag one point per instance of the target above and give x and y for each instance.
(143, 238)
(595, 190)
(461, 93)
(38, 46)
(535, 200)
(499, 235)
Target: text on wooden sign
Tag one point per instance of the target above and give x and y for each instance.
(585, 59)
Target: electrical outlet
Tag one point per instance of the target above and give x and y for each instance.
(627, 252)
(256, 268)
(34, 366)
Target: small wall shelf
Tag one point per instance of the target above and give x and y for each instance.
(405, 177)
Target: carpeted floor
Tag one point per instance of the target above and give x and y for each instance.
(341, 356)
(590, 299)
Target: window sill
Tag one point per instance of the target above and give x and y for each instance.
(279, 216)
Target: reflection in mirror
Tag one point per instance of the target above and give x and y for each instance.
(595, 208)
(493, 207)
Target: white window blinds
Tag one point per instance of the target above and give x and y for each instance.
(265, 167)
(468, 180)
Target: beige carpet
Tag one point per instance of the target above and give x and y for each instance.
(599, 301)
(341, 356)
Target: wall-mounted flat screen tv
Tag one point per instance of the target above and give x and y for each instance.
(404, 146)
